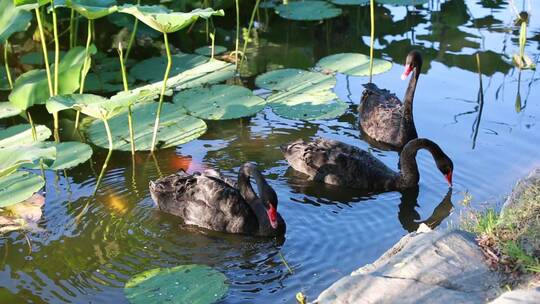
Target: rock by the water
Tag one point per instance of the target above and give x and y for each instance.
(533, 179)
(438, 266)
(520, 296)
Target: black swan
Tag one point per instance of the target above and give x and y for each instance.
(340, 164)
(213, 202)
(383, 118)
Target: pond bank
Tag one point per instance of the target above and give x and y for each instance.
(448, 266)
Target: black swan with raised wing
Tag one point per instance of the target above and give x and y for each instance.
(340, 164)
(213, 202)
(383, 118)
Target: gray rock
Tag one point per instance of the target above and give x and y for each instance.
(520, 296)
(446, 267)
(512, 201)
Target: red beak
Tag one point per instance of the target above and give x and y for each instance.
(408, 70)
(272, 216)
(449, 178)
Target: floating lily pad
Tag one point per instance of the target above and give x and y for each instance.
(308, 10)
(12, 19)
(175, 128)
(353, 64)
(207, 50)
(32, 87)
(14, 157)
(93, 9)
(314, 105)
(36, 58)
(220, 102)
(210, 72)
(8, 110)
(165, 21)
(90, 104)
(194, 284)
(152, 69)
(19, 186)
(69, 154)
(295, 80)
(20, 135)
(403, 2)
(350, 2)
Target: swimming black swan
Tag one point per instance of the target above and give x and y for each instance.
(383, 117)
(337, 163)
(213, 202)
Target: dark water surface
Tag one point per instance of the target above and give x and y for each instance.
(331, 231)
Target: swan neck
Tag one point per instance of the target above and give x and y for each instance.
(409, 176)
(409, 95)
(249, 195)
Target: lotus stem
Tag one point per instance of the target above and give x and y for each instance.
(44, 47)
(8, 73)
(56, 50)
(85, 68)
(32, 126)
(109, 134)
(126, 88)
(71, 28)
(255, 8)
(237, 32)
(163, 88)
(213, 50)
(133, 35)
(372, 42)
(76, 30)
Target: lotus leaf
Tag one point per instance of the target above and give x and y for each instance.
(353, 64)
(152, 69)
(36, 58)
(90, 104)
(220, 102)
(207, 50)
(20, 135)
(176, 128)
(68, 155)
(350, 2)
(32, 87)
(93, 9)
(308, 10)
(213, 71)
(18, 187)
(8, 110)
(12, 19)
(14, 157)
(295, 80)
(197, 284)
(30, 4)
(313, 105)
(127, 21)
(403, 2)
(163, 20)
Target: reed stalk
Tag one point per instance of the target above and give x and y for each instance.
(44, 48)
(56, 50)
(85, 68)
(237, 32)
(126, 88)
(133, 35)
(72, 29)
(251, 20)
(372, 42)
(163, 88)
(8, 72)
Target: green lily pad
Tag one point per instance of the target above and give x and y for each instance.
(12, 19)
(93, 9)
(220, 102)
(32, 87)
(19, 186)
(207, 50)
(30, 4)
(403, 2)
(90, 104)
(163, 20)
(175, 128)
(36, 58)
(350, 2)
(8, 110)
(195, 284)
(69, 154)
(295, 80)
(308, 10)
(210, 72)
(152, 69)
(14, 157)
(353, 64)
(20, 135)
(314, 105)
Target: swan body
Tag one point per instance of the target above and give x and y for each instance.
(337, 163)
(383, 117)
(211, 201)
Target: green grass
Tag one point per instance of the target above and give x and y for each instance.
(516, 233)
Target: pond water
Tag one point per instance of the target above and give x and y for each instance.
(331, 231)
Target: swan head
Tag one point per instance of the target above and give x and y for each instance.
(413, 62)
(270, 201)
(446, 166)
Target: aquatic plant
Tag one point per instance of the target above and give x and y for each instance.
(181, 284)
(353, 64)
(522, 60)
(308, 10)
(165, 21)
(126, 89)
